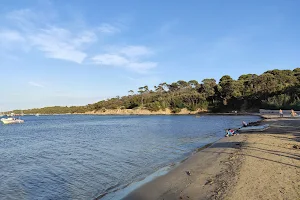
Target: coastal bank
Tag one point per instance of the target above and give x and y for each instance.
(264, 165)
(139, 111)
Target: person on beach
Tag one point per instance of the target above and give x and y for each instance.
(230, 132)
(293, 113)
(280, 113)
(244, 124)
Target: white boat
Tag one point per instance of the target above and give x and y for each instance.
(11, 115)
(11, 120)
(254, 128)
(37, 115)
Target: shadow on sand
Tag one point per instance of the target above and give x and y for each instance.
(276, 131)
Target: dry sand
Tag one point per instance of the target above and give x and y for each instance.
(262, 165)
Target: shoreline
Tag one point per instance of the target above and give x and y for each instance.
(153, 113)
(139, 111)
(157, 188)
(157, 174)
(215, 170)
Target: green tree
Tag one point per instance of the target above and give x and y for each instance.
(208, 87)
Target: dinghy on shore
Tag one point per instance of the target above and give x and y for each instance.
(254, 128)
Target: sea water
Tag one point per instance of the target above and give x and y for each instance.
(84, 156)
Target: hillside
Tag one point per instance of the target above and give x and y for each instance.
(272, 89)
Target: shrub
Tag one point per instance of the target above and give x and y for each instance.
(155, 106)
(176, 110)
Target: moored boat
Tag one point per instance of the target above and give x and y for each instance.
(11, 121)
(254, 128)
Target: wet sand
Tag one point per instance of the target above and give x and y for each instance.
(264, 165)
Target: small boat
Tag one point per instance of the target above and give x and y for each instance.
(11, 115)
(11, 120)
(37, 115)
(254, 128)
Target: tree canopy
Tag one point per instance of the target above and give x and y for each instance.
(272, 89)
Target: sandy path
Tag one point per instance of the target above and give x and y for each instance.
(271, 166)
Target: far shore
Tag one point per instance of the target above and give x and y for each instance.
(264, 165)
(183, 111)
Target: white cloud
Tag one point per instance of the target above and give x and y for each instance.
(135, 51)
(35, 84)
(61, 44)
(71, 44)
(129, 57)
(108, 28)
(22, 17)
(110, 59)
(115, 60)
(11, 40)
(85, 37)
(10, 36)
(142, 66)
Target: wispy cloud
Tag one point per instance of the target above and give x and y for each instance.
(71, 44)
(128, 57)
(11, 40)
(110, 60)
(10, 36)
(23, 18)
(55, 42)
(35, 84)
(166, 28)
(142, 67)
(61, 44)
(135, 51)
(108, 28)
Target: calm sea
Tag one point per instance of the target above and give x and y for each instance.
(82, 157)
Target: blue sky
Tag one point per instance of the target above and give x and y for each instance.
(78, 52)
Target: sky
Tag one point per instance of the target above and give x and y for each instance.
(77, 52)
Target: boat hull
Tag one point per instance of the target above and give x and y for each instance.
(17, 121)
(254, 128)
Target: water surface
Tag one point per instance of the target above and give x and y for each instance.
(82, 157)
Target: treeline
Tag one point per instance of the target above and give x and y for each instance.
(273, 89)
(53, 110)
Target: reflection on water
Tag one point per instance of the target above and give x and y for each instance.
(82, 157)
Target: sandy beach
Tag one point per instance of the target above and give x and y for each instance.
(263, 165)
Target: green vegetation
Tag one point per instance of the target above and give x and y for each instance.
(273, 89)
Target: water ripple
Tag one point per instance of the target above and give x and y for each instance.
(82, 157)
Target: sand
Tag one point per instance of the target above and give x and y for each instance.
(271, 169)
(263, 165)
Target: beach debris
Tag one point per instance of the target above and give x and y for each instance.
(210, 181)
(295, 146)
(188, 173)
